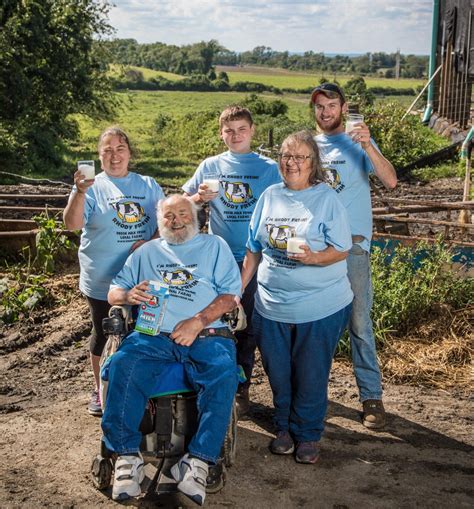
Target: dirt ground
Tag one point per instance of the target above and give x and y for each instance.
(424, 457)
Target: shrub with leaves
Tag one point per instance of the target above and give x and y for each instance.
(410, 284)
(400, 141)
(23, 288)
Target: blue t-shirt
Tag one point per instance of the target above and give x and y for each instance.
(242, 179)
(196, 271)
(347, 167)
(117, 213)
(289, 291)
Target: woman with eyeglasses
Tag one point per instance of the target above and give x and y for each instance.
(303, 300)
(116, 212)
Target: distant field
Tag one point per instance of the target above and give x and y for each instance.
(283, 78)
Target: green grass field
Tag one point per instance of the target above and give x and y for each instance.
(137, 114)
(282, 78)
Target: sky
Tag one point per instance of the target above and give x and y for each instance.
(329, 26)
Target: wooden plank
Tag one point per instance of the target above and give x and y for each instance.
(11, 196)
(30, 209)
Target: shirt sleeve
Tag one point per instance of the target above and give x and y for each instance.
(226, 271)
(127, 278)
(89, 205)
(252, 243)
(336, 226)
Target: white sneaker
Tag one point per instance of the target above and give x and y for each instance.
(128, 476)
(191, 475)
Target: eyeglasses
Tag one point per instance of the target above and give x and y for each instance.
(298, 159)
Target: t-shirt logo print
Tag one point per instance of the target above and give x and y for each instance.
(332, 177)
(129, 211)
(278, 235)
(237, 192)
(177, 277)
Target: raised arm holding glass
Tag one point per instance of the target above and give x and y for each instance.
(115, 210)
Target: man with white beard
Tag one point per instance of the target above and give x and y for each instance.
(204, 283)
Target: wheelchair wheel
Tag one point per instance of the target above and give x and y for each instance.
(216, 478)
(101, 472)
(230, 441)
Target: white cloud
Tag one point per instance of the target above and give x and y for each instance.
(348, 26)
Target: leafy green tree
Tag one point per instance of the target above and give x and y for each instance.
(51, 66)
(357, 92)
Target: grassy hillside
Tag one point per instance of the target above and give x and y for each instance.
(139, 113)
(116, 70)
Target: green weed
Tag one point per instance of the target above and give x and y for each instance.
(410, 285)
(22, 288)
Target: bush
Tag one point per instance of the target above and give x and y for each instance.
(24, 287)
(410, 284)
(400, 141)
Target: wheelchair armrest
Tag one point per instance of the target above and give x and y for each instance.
(236, 319)
(118, 321)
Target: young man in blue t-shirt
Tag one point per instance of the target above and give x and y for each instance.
(242, 177)
(348, 159)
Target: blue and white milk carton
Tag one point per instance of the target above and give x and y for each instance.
(151, 312)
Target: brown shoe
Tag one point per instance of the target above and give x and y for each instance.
(242, 401)
(373, 414)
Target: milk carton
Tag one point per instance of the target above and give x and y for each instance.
(151, 312)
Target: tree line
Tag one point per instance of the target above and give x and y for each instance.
(201, 57)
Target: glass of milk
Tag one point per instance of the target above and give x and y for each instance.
(87, 168)
(293, 245)
(211, 180)
(351, 120)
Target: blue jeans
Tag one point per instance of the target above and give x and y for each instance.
(297, 359)
(245, 339)
(364, 354)
(211, 369)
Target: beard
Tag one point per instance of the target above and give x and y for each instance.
(178, 236)
(330, 126)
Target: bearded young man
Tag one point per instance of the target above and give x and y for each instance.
(348, 160)
(204, 283)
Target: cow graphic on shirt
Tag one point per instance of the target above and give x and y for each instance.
(278, 235)
(129, 211)
(332, 177)
(237, 192)
(177, 277)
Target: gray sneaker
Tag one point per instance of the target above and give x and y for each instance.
(307, 452)
(95, 407)
(283, 443)
(191, 475)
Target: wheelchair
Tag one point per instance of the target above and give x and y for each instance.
(168, 424)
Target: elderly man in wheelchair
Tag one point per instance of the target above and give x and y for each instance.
(192, 333)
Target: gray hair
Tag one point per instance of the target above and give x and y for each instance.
(305, 137)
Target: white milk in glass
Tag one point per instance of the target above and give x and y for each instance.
(293, 245)
(87, 168)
